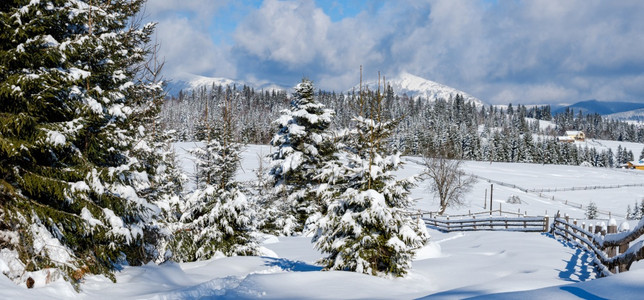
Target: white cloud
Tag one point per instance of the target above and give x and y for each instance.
(287, 32)
(520, 51)
(189, 51)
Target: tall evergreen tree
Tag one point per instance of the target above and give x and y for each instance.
(366, 228)
(304, 143)
(71, 102)
(217, 215)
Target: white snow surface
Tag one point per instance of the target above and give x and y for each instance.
(499, 265)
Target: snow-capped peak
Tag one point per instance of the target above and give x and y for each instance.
(202, 81)
(195, 82)
(415, 86)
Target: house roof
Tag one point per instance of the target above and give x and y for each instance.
(637, 163)
(573, 132)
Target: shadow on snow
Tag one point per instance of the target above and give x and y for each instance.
(289, 265)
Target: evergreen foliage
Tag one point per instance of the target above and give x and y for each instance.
(637, 212)
(72, 104)
(591, 211)
(304, 143)
(366, 228)
(217, 217)
(452, 126)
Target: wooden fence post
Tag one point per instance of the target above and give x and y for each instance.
(448, 223)
(554, 223)
(474, 222)
(622, 249)
(574, 229)
(546, 222)
(566, 225)
(612, 251)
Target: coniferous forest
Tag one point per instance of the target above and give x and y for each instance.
(448, 127)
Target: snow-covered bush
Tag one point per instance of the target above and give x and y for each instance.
(591, 211)
(514, 199)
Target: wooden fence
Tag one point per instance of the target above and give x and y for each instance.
(612, 251)
(485, 222)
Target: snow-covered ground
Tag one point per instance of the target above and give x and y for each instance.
(507, 265)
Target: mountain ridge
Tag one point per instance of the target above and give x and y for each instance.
(404, 84)
(416, 86)
(614, 109)
(197, 81)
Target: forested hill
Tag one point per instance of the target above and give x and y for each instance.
(456, 127)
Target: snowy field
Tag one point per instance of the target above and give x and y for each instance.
(505, 265)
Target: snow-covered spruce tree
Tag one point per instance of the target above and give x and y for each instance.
(304, 143)
(70, 100)
(217, 217)
(367, 228)
(591, 211)
(164, 188)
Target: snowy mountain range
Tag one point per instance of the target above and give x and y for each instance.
(415, 86)
(196, 82)
(403, 84)
(610, 109)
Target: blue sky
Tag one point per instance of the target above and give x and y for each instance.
(501, 51)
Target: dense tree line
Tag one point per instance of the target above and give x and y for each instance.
(453, 127)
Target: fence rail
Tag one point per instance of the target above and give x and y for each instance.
(612, 251)
(539, 192)
(487, 223)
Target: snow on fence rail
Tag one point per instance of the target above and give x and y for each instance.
(611, 250)
(488, 223)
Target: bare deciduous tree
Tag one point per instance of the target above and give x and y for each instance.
(448, 181)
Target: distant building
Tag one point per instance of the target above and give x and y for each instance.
(636, 164)
(572, 136)
(565, 139)
(577, 135)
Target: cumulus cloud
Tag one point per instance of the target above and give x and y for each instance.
(503, 51)
(188, 51)
(186, 40)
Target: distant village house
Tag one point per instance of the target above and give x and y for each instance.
(636, 164)
(572, 136)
